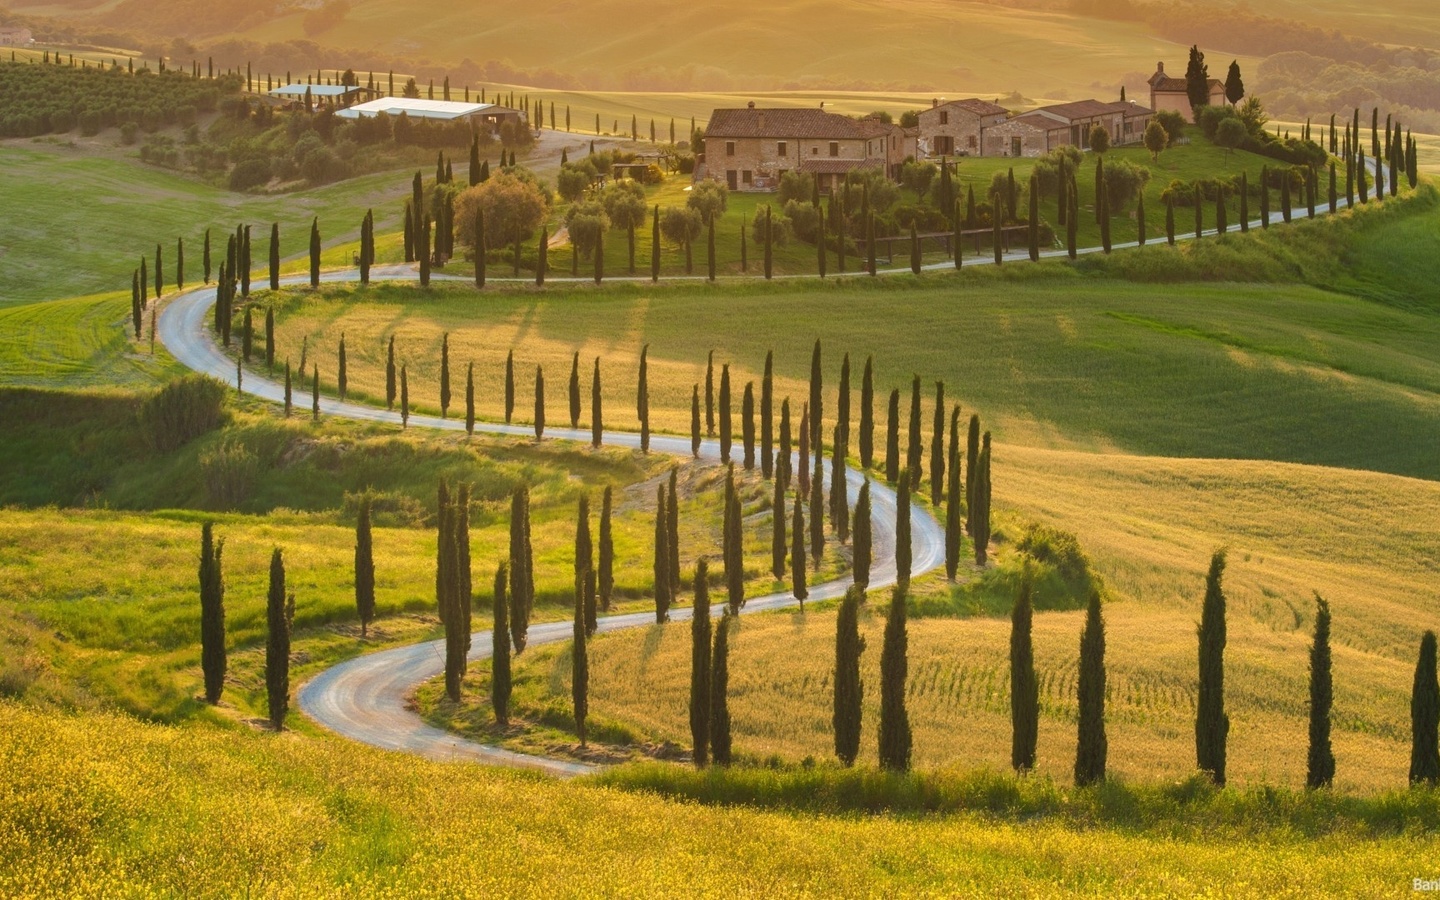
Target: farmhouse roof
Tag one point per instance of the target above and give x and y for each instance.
(781, 123)
(420, 109)
(1088, 109)
(1164, 84)
(975, 105)
(316, 90)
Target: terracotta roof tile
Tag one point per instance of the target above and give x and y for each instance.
(781, 123)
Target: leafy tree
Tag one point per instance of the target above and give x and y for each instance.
(1425, 717)
(1024, 686)
(1212, 725)
(1320, 761)
(895, 738)
(1091, 747)
(849, 689)
(587, 223)
(212, 613)
(280, 612)
(1099, 140)
(918, 177)
(1230, 134)
(1157, 139)
(700, 667)
(1234, 84)
(710, 199)
(513, 206)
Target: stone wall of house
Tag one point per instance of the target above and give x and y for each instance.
(999, 139)
(960, 125)
(761, 158)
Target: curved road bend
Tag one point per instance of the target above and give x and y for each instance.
(366, 698)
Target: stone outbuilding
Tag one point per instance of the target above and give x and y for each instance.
(1070, 124)
(1171, 95)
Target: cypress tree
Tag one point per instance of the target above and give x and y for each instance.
(1199, 211)
(136, 313)
(914, 455)
(1212, 725)
(539, 403)
(1285, 211)
(894, 721)
(747, 425)
(937, 447)
(839, 492)
(1264, 197)
(672, 542)
(522, 584)
(275, 256)
(980, 533)
(782, 458)
(599, 257)
(1024, 687)
(952, 500)
(479, 247)
(870, 243)
(862, 548)
(725, 426)
(144, 281)
(1221, 225)
(541, 251)
(957, 227)
(424, 253)
(892, 438)
(390, 371)
(606, 553)
(662, 559)
(580, 661)
(247, 335)
(1244, 203)
(342, 382)
(280, 612)
(778, 549)
(1092, 747)
(573, 391)
(287, 389)
(842, 409)
(867, 416)
(700, 668)
(734, 546)
(1425, 717)
(1332, 197)
(802, 479)
(972, 464)
(767, 416)
(1361, 177)
(315, 393)
(849, 690)
(914, 250)
(710, 394)
(817, 394)
(500, 649)
(997, 216)
(769, 251)
(642, 399)
(159, 274)
(719, 691)
(404, 398)
(445, 375)
(817, 517)
(1320, 762)
(509, 386)
(364, 568)
(798, 587)
(584, 550)
(212, 613)
(470, 398)
(903, 549)
(695, 421)
(1140, 217)
(597, 425)
(410, 235)
(315, 253)
(1033, 231)
(655, 246)
(820, 247)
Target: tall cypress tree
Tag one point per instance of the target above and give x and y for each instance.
(404, 398)
(500, 649)
(1425, 717)
(661, 566)
(817, 516)
(509, 386)
(802, 478)
(842, 409)
(867, 415)
(937, 447)
(275, 256)
(839, 493)
(280, 612)
(573, 391)
(1320, 761)
(849, 690)
(642, 399)
(364, 568)
(902, 534)
(315, 393)
(445, 375)
(953, 540)
(726, 432)
(914, 459)
(480, 247)
(247, 334)
(606, 575)
(747, 425)
(597, 424)
(539, 403)
(1024, 686)
(700, 668)
(1091, 747)
(522, 584)
(580, 659)
(862, 552)
(695, 421)
(710, 394)
(799, 586)
(1033, 231)
(470, 398)
(287, 389)
(159, 273)
(212, 613)
(767, 416)
(655, 246)
(1212, 725)
(584, 549)
(734, 544)
(769, 251)
(205, 260)
(782, 458)
(672, 525)
(894, 720)
(817, 395)
(892, 438)
(315, 253)
(719, 693)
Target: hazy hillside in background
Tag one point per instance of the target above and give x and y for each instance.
(1303, 58)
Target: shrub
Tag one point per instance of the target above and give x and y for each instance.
(680, 225)
(1124, 181)
(183, 410)
(710, 199)
(1210, 118)
(1173, 123)
(250, 173)
(128, 133)
(796, 186)
(804, 220)
(230, 473)
(587, 222)
(780, 229)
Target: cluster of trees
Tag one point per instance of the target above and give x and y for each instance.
(60, 97)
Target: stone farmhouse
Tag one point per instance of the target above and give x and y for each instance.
(1169, 94)
(15, 37)
(749, 149)
(958, 128)
(1041, 130)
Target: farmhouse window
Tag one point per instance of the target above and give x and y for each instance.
(745, 177)
(782, 148)
(729, 148)
(944, 117)
(972, 142)
(834, 148)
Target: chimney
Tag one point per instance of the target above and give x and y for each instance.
(1160, 68)
(934, 102)
(752, 102)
